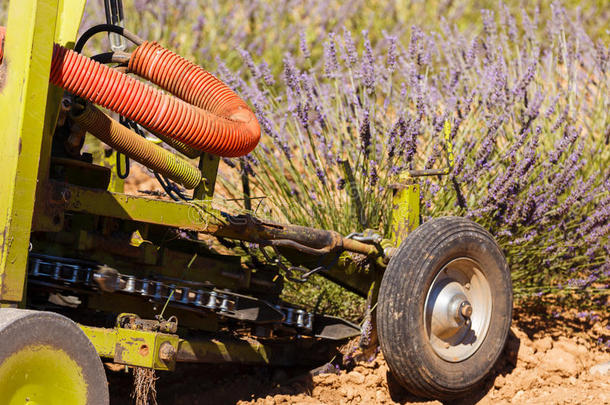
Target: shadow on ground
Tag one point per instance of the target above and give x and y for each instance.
(504, 366)
(196, 384)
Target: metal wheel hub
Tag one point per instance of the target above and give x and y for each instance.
(457, 310)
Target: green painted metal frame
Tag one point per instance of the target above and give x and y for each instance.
(28, 111)
(25, 156)
(405, 212)
(187, 215)
(143, 349)
(138, 348)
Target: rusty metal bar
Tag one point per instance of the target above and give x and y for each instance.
(302, 238)
(304, 351)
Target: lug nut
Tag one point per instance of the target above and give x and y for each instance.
(466, 309)
(167, 352)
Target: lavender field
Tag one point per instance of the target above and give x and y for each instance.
(523, 89)
(524, 92)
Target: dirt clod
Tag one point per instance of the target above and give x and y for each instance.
(602, 369)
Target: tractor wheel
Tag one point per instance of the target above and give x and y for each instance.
(46, 359)
(444, 308)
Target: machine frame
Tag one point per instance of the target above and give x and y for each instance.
(136, 278)
(35, 203)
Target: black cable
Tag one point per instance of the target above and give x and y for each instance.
(106, 28)
(120, 5)
(178, 192)
(245, 183)
(168, 186)
(120, 175)
(124, 175)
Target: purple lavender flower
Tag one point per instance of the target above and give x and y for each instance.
(373, 174)
(350, 53)
(290, 73)
(331, 65)
(392, 56)
(265, 72)
(365, 134)
(303, 45)
(368, 64)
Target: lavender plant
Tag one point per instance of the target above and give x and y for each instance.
(205, 31)
(345, 112)
(527, 103)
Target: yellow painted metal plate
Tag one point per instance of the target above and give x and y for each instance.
(405, 212)
(131, 347)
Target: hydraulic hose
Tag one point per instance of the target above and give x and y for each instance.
(189, 82)
(186, 150)
(218, 122)
(127, 142)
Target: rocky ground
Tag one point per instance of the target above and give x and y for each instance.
(549, 359)
(544, 371)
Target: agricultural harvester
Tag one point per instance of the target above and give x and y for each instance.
(89, 272)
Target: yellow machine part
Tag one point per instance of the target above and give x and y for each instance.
(29, 106)
(41, 374)
(46, 359)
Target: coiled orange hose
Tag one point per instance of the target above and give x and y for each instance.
(218, 122)
(196, 86)
(2, 35)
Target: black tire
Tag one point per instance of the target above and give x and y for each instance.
(413, 357)
(23, 331)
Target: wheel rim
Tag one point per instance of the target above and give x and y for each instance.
(41, 374)
(458, 310)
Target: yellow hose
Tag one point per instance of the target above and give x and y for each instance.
(129, 143)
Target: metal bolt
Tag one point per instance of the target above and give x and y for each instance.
(466, 309)
(446, 345)
(167, 352)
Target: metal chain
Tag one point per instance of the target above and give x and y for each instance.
(80, 274)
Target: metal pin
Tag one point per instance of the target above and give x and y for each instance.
(130, 286)
(158, 288)
(224, 305)
(289, 316)
(310, 321)
(74, 277)
(300, 318)
(199, 298)
(36, 267)
(57, 271)
(144, 287)
(212, 301)
(185, 295)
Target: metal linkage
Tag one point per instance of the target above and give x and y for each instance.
(297, 317)
(85, 275)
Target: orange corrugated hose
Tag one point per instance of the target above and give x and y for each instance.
(2, 34)
(216, 120)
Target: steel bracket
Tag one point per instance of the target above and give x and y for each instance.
(138, 348)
